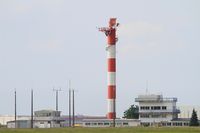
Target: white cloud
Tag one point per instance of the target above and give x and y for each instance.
(135, 29)
(139, 49)
(139, 38)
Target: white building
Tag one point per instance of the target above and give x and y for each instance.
(41, 119)
(154, 109)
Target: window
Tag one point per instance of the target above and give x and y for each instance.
(168, 124)
(87, 123)
(146, 124)
(119, 123)
(106, 123)
(180, 124)
(125, 123)
(155, 108)
(94, 123)
(175, 124)
(164, 107)
(144, 107)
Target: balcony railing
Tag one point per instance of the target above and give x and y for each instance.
(160, 111)
(155, 99)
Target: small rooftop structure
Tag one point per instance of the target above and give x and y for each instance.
(47, 113)
(153, 98)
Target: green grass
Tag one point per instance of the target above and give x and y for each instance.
(107, 130)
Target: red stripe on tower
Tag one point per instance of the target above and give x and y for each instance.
(111, 65)
(111, 115)
(111, 92)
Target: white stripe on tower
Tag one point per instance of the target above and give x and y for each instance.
(111, 78)
(111, 51)
(110, 105)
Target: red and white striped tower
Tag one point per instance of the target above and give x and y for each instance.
(111, 60)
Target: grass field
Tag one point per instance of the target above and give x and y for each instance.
(106, 130)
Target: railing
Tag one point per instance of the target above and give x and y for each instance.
(160, 111)
(155, 99)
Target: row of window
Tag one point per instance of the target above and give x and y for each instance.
(153, 116)
(176, 124)
(105, 123)
(166, 124)
(153, 107)
(47, 114)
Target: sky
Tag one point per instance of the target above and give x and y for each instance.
(46, 43)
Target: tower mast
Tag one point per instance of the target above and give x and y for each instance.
(110, 33)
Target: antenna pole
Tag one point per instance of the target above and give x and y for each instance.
(73, 108)
(146, 86)
(56, 90)
(31, 108)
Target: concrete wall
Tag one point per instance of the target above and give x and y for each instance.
(42, 125)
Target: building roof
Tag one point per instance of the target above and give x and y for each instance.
(46, 111)
(154, 98)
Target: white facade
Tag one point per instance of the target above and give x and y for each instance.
(154, 109)
(44, 124)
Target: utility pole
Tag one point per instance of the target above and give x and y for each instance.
(69, 103)
(15, 109)
(31, 108)
(114, 107)
(73, 108)
(56, 90)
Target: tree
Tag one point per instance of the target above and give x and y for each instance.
(194, 119)
(132, 112)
